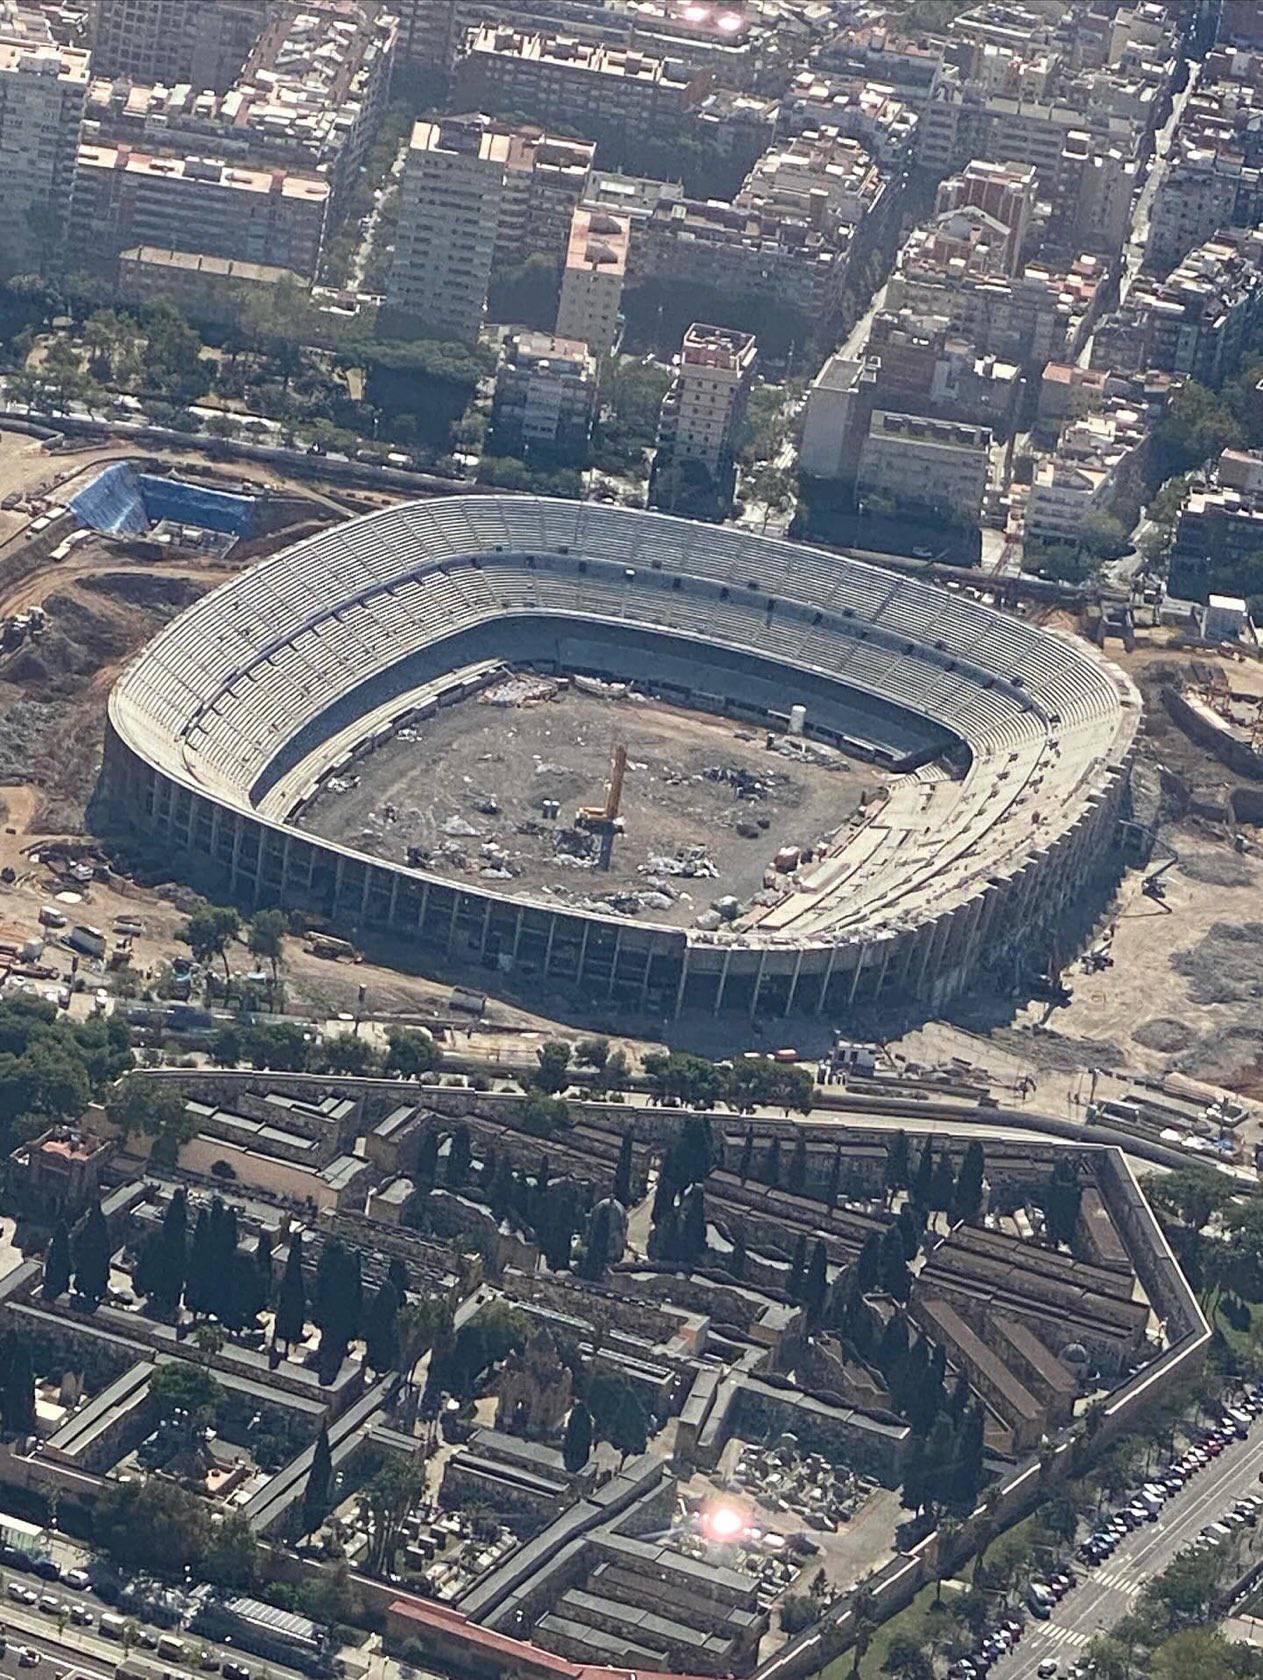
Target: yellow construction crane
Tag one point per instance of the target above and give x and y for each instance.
(603, 819)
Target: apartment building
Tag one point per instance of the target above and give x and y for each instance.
(920, 365)
(593, 278)
(203, 42)
(1004, 192)
(42, 90)
(703, 411)
(940, 465)
(545, 179)
(836, 418)
(1198, 321)
(563, 80)
(449, 217)
(883, 124)
(823, 180)
(1096, 461)
(1220, 525)
(545, 398)
(1202, 189)
(124, 199)
(208, 289)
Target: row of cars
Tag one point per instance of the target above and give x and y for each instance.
(996, 1641)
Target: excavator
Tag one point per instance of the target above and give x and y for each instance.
(603, 820)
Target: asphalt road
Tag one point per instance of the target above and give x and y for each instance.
(1106, 1594)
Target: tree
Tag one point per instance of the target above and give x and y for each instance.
(596, 1254)
(92, 1256)
(895, 1277)
(408, 1053)
(868, 1265)
(459, 1157)
(553, 1073)
(348, 1053)
(798, 1269)
(798, 1165)
(922, 1186)
(1061, 1201)
(747, 1155)
(57, 1263)
(179, 1387)
(907, 1659)
(693, 1223)
(231, 1558)
(318, 1490)
(909, 1227)
(1195, 426)
(209, 932)
(623, 1171)
(968, 1200)
(265, 935)
(691, 1156)
(816, 1283)
(576, 1447)
(943, 1187)
(140, 1103)
(381, 1329)
(618, 1415)
(385, 1502)
(291, 1305)
(151, 1525)
(1194, 1194)
(17, 1395)
(896, 1170)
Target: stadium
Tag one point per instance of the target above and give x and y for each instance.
(996, 752)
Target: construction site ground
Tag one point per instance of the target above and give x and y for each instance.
(705, 805)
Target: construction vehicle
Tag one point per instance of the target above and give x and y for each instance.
(603, 820)
(1153, 886)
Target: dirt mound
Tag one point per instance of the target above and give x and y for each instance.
(1225, 965)
(1164, 1034)
(1218, 869)
(149, 590)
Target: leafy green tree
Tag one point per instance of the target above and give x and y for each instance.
(265, 935)
(209, 932)
(178, 1386)
(385, 1502)
(152, 1525)
(409, 1053)
(231, 1557)
(140, 1103)
(1194, 1195)
(1195, 426)
(618, 1414)
(553, 1073)
(907, 1659)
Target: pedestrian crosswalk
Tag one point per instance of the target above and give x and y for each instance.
(1066, 1636)
(1119, 1579)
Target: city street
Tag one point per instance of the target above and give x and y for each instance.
(1106, 1594)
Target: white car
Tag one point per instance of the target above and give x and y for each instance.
(79, 1579)
(21, 1594)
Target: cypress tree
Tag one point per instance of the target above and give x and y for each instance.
(623, 1172)
(198, 1287)
(319, 1489)
(596, 1256)
(967, 1465)
(798, 1165)
(172, 1259)
(543, 1173)
(428, 1156)
(397, 1272)
(772, 1163)
(940, 1462)
(57, 1263)
(892, 1350)
(663, 1197)
(816, 1284)
(912, 1493)
(968, 1203)
(895, 1174)
(747, 1155)
(943, 1189)
(92, 1256)
(263, 1259)
(244, 1296)
(958, 1401)
(381, 1329)
(17, 1400)
(291, 1305)
(576, 1447)
(693, 1223)
(798, 1271)
(895, 1277)
(459, 1156)
(909, 1231)
(923, 1178)
(868, 1266)
(835, 1178)
(738, 1259)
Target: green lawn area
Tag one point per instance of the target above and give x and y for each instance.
(1248, 1338)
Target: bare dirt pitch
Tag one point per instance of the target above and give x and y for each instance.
(470, 794)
